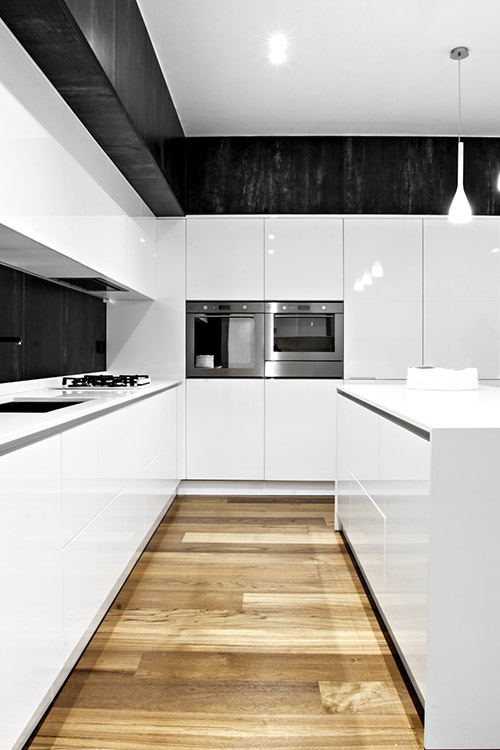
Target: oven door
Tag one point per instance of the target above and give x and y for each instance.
(304, 337)
(225, 345)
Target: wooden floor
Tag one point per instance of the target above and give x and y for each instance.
(243, 625)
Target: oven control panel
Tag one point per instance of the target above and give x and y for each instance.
(304, 307)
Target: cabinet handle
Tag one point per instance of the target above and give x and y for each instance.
(11, 340)
(365, 377)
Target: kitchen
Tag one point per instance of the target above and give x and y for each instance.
(368, 203)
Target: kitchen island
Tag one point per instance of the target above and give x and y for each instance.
(418, 478)
(82, 489)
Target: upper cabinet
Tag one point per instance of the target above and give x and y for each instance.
(383, 297)
(462, 295)
(67, 211)
(303, 259)
(225, 259)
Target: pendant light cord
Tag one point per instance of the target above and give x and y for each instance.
(459, 103)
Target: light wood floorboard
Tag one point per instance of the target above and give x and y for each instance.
(243, 626)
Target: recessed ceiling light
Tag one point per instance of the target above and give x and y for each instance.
(278, 44)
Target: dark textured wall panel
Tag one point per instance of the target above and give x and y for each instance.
(60, 328)
(352, 175)
(99, 57)
(11, 323)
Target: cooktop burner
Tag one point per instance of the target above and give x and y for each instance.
(105, 381)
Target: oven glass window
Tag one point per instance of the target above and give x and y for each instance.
(307, 333)
(223, 341)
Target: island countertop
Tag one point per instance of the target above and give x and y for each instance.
(431, 410)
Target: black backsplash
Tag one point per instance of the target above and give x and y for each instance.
(328, 174)
(60, 328)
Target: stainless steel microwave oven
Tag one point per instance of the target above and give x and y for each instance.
(304, 339)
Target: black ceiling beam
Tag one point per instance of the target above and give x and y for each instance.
(98, 55)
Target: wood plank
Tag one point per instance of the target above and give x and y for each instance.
(266, 641)
(293, 537)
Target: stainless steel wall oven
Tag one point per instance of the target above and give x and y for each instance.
(225, 339)
(304, 339)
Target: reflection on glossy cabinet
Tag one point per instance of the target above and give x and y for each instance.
(300, 429)
(225, 428)
(31, 582)
(225, 259)
(383, 297)
(462, 295)
(303, 259)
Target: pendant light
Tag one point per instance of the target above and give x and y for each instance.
(460, 210)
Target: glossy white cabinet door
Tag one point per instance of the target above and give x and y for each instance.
(367, 535)
(225, 259)
(119, 472)
(300, 429)
(357, 458)
(225, 428)
(303, 259)
(95, 559)
(462, 295)
(31, 626)
(405, 466)
(382, 321)
(357, 442)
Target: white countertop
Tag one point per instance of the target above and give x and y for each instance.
(19, 429)
(433, 409)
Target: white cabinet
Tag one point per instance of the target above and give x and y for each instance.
(69, 196)
(303, 259)
(405, 472)
(300, 429)
(94, 561)
(31, 627)
(383, 506)
(118, 474)
(225, 428)
(462, 295)
(382, 320)
(225, 259)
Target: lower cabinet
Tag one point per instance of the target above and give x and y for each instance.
(31, 626)
(109, 501)
(383, 507)
(300, 429)
(261, 429)
(225, 428)
(77, 509)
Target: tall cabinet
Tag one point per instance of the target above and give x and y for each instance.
(462, 295)
(253, 429)
(383, 297)
(304, 259)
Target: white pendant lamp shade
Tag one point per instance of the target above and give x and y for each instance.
(460, 210)
(358, 285)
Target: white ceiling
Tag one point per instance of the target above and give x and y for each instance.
(355, 67)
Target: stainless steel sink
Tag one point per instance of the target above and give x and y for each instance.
(38, 406)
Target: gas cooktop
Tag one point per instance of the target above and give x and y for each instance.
(104, 381)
